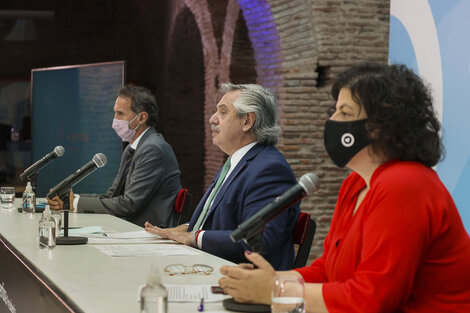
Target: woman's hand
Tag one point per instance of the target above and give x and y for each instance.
(247, 284)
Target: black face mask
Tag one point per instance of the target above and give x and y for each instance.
(343, 140)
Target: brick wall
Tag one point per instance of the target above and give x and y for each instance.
(318, 40)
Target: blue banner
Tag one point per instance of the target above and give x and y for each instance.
(433, 38)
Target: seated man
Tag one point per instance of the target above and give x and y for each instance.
(148, 180)
(245, 128)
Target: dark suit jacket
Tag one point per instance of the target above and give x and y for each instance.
(151, 186)
(260, 176)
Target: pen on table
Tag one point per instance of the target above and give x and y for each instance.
(200, 308)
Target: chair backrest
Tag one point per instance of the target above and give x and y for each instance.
(183, 203)
(303, 236)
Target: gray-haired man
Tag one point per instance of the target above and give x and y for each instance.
(245, 128)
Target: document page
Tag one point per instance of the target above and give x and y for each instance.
(192, 293)
(132, 237)
(139, 234)
(145, 250)
(84, 231)
(104, 240)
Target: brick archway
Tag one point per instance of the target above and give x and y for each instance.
(183, 100)
(216, 71)
(268, 54)
(286, 62)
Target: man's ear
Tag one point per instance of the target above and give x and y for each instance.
(142, 119)
(249, 121)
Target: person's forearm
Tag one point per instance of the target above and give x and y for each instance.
(314, 302)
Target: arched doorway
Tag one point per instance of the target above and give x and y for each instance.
(182, 109)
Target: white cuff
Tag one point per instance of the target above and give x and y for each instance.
(199, 239)
(75, 203)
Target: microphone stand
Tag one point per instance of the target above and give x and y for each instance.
(66, 239)
(254, 240)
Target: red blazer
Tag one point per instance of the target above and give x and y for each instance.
(404, 250)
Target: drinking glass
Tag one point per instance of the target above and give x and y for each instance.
(287, 294)
(7, 195)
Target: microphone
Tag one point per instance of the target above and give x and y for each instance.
(31, 172)
(99, 160)
(308, 184)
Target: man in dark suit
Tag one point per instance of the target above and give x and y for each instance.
(148, 180)
(245, 128)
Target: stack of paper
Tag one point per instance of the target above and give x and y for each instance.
(192, 293)
(133, 237)
(145, 250)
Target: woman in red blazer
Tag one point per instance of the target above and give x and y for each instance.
(396, 241)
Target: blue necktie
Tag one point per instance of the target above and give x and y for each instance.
(214, 192)
(127, 164)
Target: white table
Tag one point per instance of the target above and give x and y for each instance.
(91, 280)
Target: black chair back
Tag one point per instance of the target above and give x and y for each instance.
(303, 236)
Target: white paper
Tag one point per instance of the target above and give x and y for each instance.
(192, 293)
(88, 230)
(133, 235)
(145, 250)
(104, 240)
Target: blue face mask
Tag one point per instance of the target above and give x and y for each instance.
(343, 140)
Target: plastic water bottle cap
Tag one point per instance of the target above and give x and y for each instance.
(47, 211)
(153, 278)
(29, 188)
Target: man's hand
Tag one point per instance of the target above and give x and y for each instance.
(246, 284)
(57, 204)
(179, 233)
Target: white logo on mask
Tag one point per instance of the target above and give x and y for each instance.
(347, 140)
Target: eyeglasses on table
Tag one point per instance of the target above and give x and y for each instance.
(180, 269)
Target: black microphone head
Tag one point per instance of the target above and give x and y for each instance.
(100, 160)
(59, 151)
(310, 183)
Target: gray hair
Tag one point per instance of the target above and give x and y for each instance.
(263, 103)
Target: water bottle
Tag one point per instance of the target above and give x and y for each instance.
(29, 199)
(47, 233)
(154, 297)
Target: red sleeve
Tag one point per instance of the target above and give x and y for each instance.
(315, 273)
(393, 236)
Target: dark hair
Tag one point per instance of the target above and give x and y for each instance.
(142, 100)
(399, 111)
